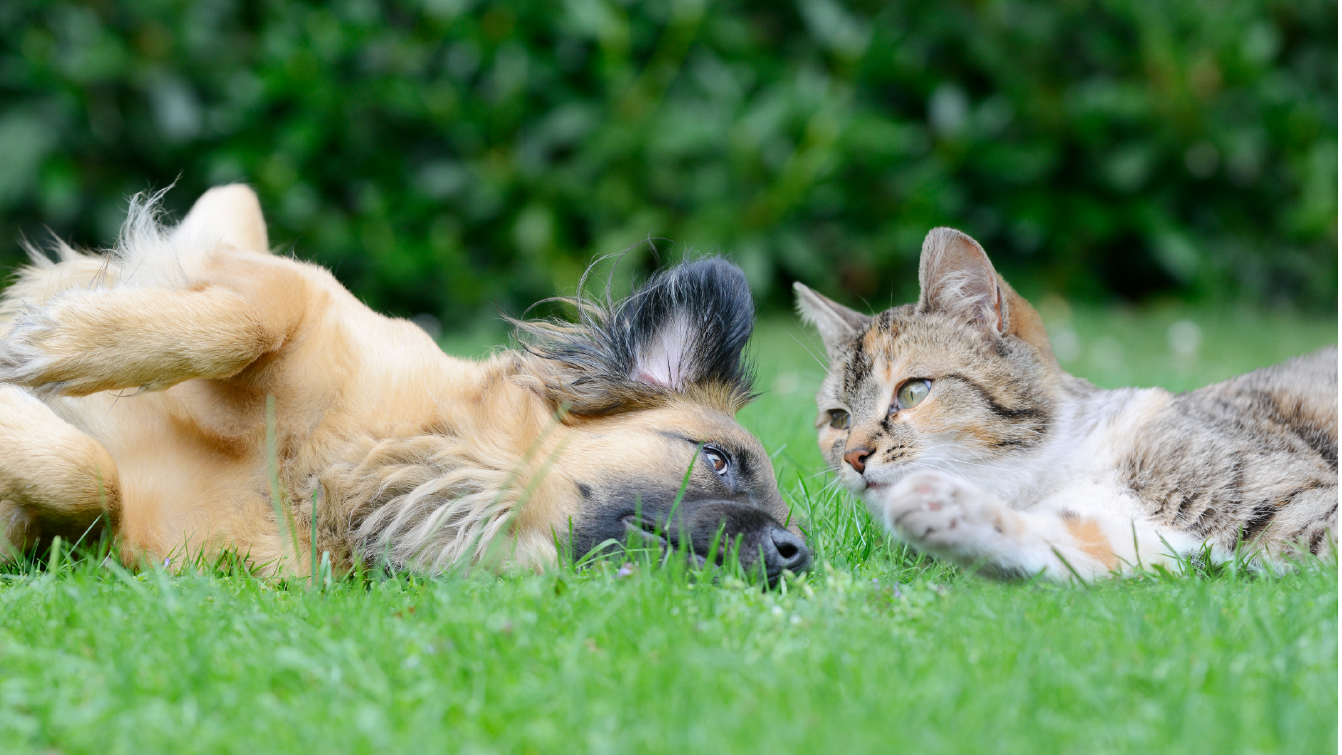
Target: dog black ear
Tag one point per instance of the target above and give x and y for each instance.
(685, 330)
(688, 326)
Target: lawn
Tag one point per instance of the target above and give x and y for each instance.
(875, 651)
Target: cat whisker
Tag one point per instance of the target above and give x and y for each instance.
(807, 347)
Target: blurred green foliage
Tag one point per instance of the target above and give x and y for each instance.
(443, 155)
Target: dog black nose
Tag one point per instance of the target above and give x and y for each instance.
(785, 550)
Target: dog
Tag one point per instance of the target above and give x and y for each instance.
(198, 395)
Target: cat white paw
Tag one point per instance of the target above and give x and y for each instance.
(939, 512)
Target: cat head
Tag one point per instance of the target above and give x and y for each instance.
(963, 381)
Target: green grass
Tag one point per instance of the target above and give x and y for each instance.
(876, 650)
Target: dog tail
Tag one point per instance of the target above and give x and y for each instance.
(149, 253)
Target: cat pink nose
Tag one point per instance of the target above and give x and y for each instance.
(857, 458)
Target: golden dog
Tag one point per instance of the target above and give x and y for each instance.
(199, 394)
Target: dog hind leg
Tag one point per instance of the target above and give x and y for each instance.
(54, 479)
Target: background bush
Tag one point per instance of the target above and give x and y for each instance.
(444, 155)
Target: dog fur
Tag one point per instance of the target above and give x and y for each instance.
(199, 394)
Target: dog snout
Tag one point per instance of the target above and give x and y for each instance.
(784, 550)
(762, 540)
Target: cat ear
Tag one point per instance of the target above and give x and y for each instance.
(958, 279)
(835, 322)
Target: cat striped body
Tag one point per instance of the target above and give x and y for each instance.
(954, 422)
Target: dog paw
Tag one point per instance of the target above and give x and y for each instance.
(23, 358)
(938, 512)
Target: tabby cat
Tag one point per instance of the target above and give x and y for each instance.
(952, 419)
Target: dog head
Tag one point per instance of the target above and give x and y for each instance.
(649, 387)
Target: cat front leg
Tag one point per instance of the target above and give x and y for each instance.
(949, 517)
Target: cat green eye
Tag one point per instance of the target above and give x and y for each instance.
(913, 392)
(838, 419)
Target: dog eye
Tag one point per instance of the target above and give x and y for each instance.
(718, 458)
(838, 419)
(913, 392)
